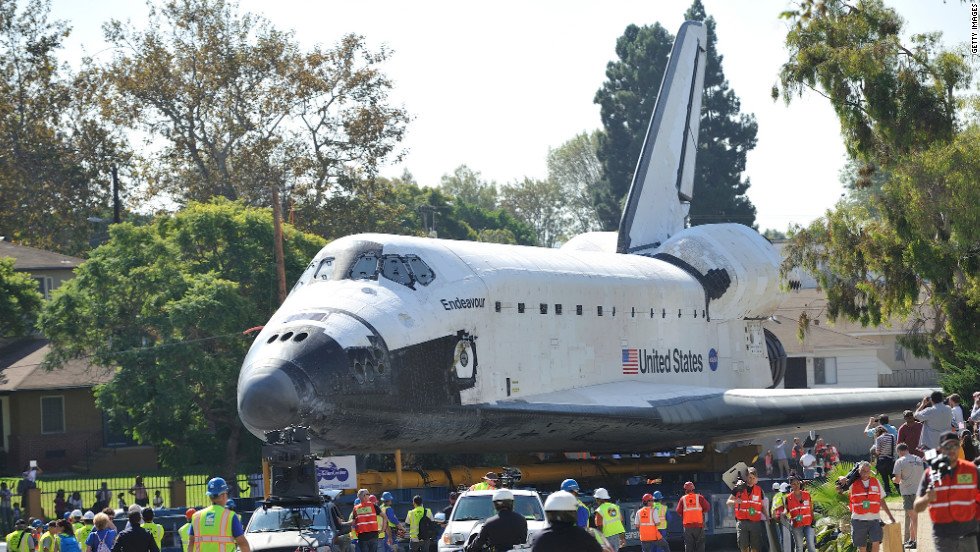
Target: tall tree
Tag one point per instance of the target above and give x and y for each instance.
(466, 184)
(575, 167)
(55, 152)
(236, 106)
(163, 307)
(539, 205)
(627, 99)
(912, 251)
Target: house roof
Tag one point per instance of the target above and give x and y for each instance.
(29, 259)
(20, 370)
(814, 302)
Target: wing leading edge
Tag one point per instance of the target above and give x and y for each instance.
(666, 415)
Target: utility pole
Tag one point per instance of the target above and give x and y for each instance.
(277, 246)
(115, 194)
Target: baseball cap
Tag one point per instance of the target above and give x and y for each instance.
(491, 476)
(779, 440)
(948, 436)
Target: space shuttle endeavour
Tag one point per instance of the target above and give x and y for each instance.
(625, 341)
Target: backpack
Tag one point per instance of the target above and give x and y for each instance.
(102, 547)
(428, 530)
(70, 544)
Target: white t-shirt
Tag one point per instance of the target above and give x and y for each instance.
(808, 461)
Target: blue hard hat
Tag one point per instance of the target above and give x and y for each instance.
(386, 496)
(67, 515)
(37, 523)
(217, 486)
(569, 485)
(657, 495)
(230, 503)
(357, 501)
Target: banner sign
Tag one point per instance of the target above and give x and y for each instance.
(336, 472)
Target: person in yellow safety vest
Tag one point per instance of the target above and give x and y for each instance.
(76, 520)
(155, 529)
(609, 519)
(21, 539)
(489, 483)
(217, 529)
(394, 525)
(184, 532)
(776, 508)
(646, 521)
(413, 518)
(85, 530)
(48, 541)
(582, 514)
(353, 525)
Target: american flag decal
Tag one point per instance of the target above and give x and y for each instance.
(631, 361)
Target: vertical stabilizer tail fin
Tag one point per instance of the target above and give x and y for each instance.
(663, 184)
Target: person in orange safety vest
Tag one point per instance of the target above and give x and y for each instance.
(952, 499)
(647, 520)
(867, 499)
(693, 509)
(751, 506)
(799, 511)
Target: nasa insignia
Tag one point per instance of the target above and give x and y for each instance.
(713, 359)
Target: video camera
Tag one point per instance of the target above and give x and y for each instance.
(292, 465)
(508, 477)
(939, 466)
(844, 483)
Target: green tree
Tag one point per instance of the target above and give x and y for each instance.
(539, 205)
(55, 152)
(575, 167)
(626, 101)
(237, 106)
(466, 184)
(163, 307)
(911, 251)
(19, 300)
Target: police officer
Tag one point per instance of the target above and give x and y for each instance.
(505, 530)
(216, 529)
(582, 513)
(951, 500)
(563, 533)
(609, 519)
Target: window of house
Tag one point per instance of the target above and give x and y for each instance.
(53, 414)
(899, 352)
(44, 285)
(824, 370)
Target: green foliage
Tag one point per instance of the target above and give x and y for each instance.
(465, 184)
(54, 151)
(909, 251)
(627, 99)
(575, 167)
(19, 300)
(164, 306)
(538, 204)
(238, 106)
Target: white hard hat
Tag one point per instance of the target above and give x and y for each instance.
(561, 501)
(503, 494)
(88, 515)
(775, 486)
(601, 493)
(76, 513)
(785, 488)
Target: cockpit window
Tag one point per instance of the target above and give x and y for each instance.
(325, 270)
(305, 277)
(365, 268)
(395, 270)
(423, 274)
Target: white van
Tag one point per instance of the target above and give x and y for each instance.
(474, 507)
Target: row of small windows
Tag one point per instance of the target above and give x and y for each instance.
(634, 312)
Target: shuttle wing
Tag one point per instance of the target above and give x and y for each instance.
(663, 183)
(667, 415)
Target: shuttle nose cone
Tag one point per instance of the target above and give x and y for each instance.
(268, 399)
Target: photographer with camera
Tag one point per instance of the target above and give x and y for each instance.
(936, 418)
(866, 502)
(949, 489)
(750, 506)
